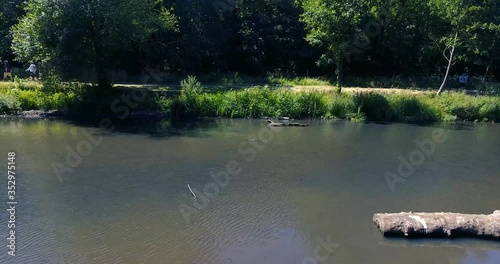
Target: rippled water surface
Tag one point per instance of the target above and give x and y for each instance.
(297, 195)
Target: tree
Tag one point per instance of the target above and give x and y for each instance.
(333, 26)
(398, 33)
(271, 33)
(453, 33)
(73, 34)
(483, 27)
(10, 11)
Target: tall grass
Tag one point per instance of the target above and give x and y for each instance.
(390, 107)
(194, 102)
(21, 84)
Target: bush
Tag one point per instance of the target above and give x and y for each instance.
(490, 110)
(51, 83)
(9, 104)
(341, 106)
(375, 106)
(187, 105)
(26, 84)
(30, 100)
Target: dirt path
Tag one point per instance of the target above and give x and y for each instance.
(297, 88)
(360, 89)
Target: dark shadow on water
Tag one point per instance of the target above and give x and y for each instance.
(160, 129)
(447, 126)
(460, 243)
(443, 125)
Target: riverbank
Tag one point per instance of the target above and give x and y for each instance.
(357, 106)
(56, 114)
(196, 101)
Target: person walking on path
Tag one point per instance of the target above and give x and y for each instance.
(463, 79)
(7, 74)
(33, 71)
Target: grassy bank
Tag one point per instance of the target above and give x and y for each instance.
(196, 102)
(402, 107)
(69, 98)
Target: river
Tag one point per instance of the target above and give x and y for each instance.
(263, 195)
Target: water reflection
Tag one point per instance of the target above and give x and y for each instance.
(482, 257)
(121, 205)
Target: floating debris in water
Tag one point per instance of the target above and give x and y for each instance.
(191, 190)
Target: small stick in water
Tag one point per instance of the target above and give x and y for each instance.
(194, 195)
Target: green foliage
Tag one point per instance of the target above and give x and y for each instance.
(470, 108)
(332, 26)
(21, 84)
(51, 83)
(195, 102)
(25, 84)
(29, 99)
(375, 106)
(9, 104)
(358, 117)
(368, 38)
(87, 35)
(342, 106)
(297, 81)
(259, 102)
(10, 11)
(188, 104)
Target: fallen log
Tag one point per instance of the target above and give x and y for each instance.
(439, 225)
(274, 124)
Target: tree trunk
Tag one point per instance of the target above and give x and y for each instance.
(450, 61)
(101, 68)
(492, 48)
(103, 80)
(100, 61)
(487, 71)
(485, 74)
(439, 225)
(339, 72)
(489, 66)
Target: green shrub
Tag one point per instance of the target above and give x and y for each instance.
(26, 84)
(462, 106)
(30, 99)
(51, 83)
(375, 106)
(430, 111)
(342, 105)
(187, 104)
(9, 104)
(357, 116)
(490, 110)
